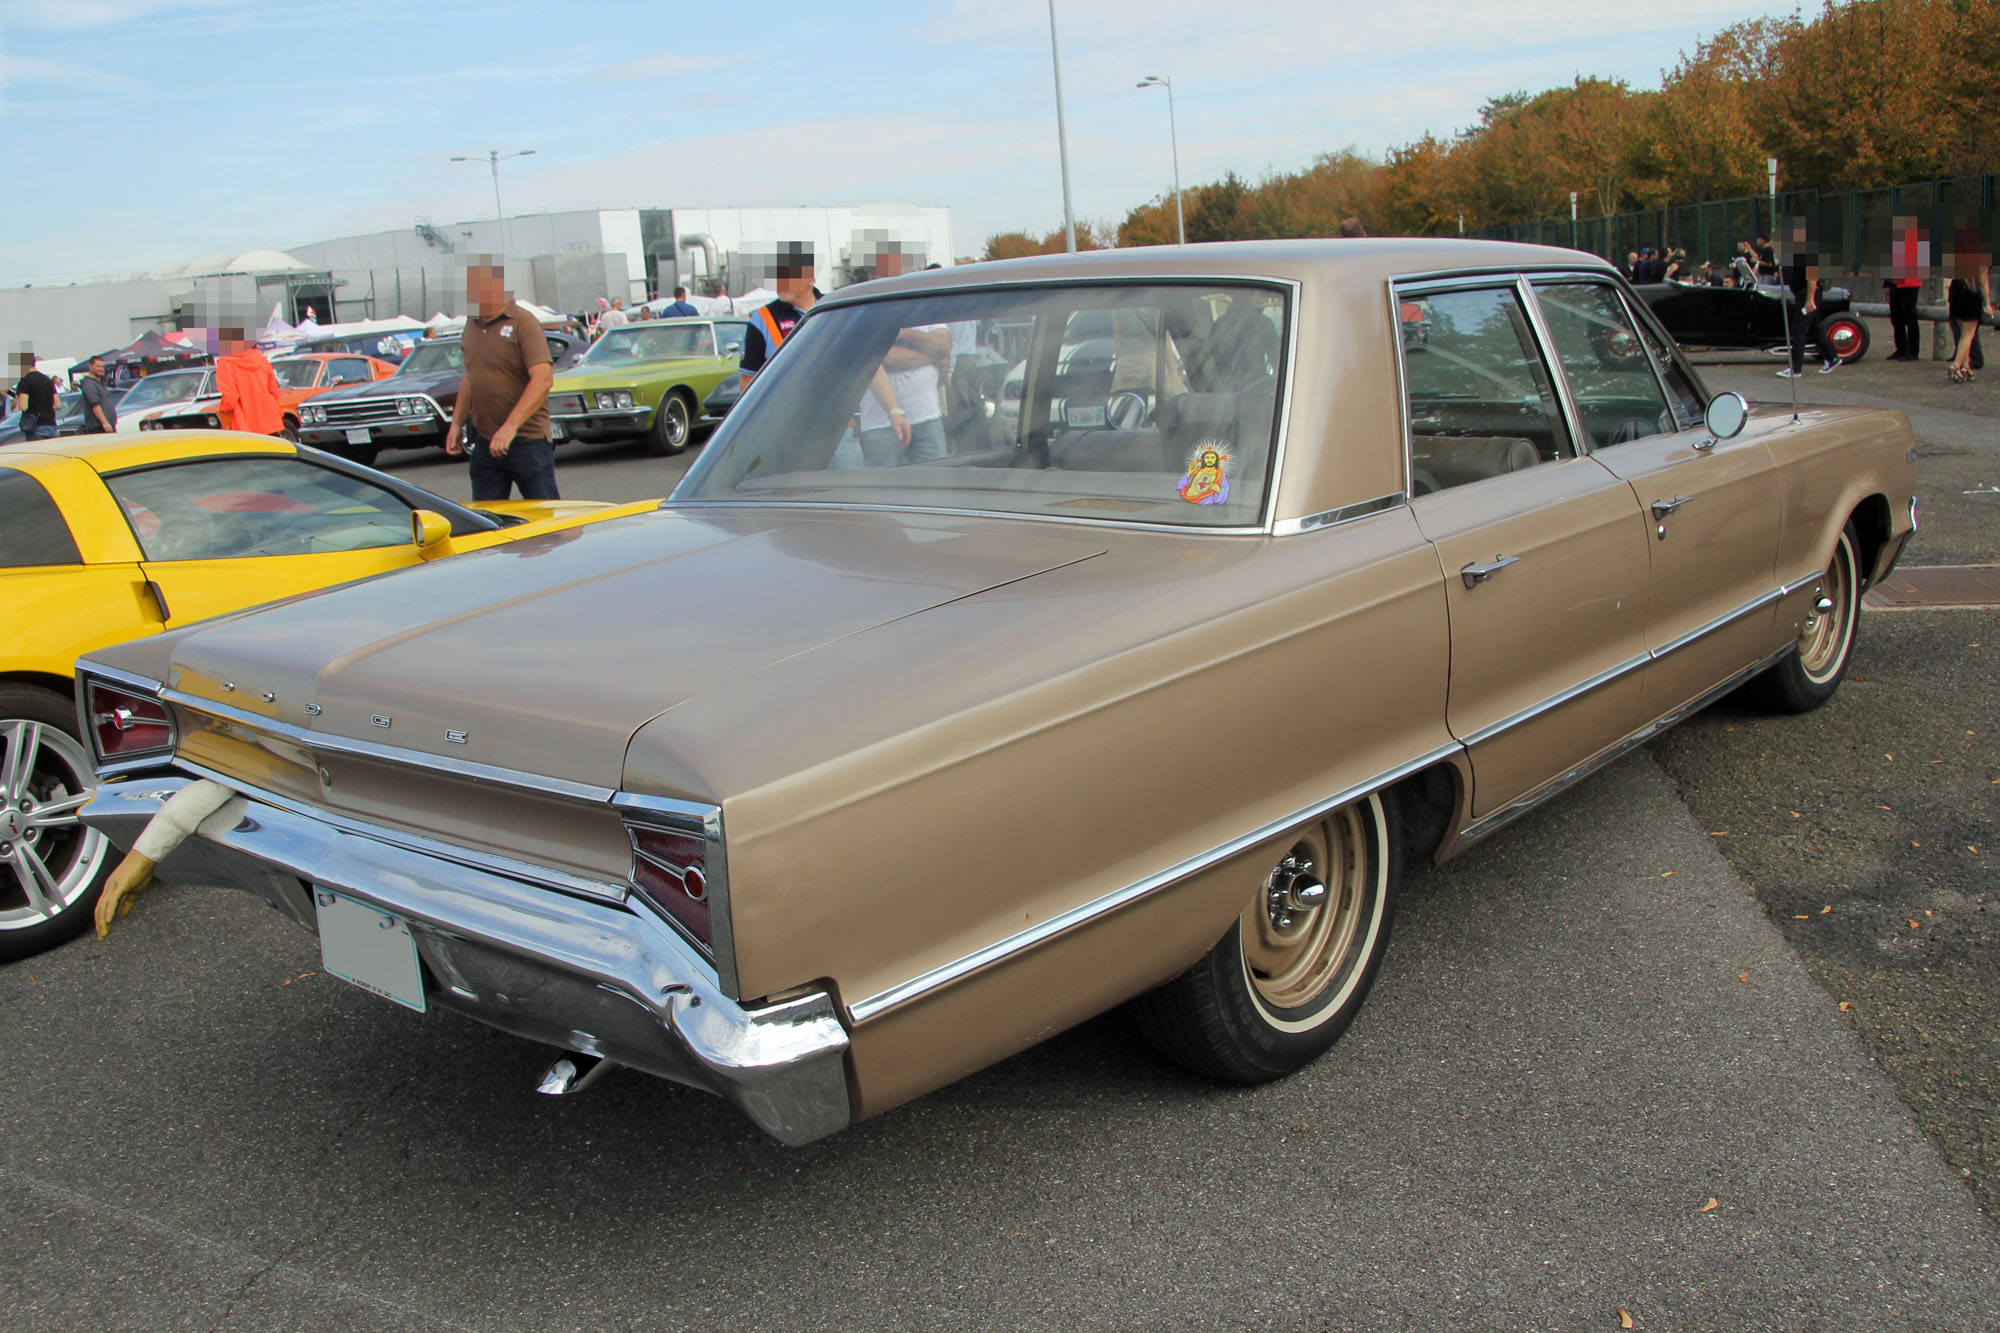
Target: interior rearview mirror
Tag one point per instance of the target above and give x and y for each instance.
(428, 528)
(1726, 414)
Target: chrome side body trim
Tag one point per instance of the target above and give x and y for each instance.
(1557, 700)
(1328, 518)
(823, 506)
(393, 754)
(902, 993)
(585, 976)
(1631, 664)
(1507, 814)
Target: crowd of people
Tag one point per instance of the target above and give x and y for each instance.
(1759, 262)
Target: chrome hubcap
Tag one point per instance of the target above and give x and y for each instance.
(48, 858)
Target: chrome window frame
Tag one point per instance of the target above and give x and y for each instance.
(1612, 281)
(1266, 524)
(1483, 280)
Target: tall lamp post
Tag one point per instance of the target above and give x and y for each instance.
(1173, 137)
(1062, 133)
(494, 157)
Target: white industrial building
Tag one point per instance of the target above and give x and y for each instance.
(562, 260)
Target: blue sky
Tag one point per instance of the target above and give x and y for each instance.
(176, 130)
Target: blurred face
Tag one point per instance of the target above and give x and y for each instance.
(97, 366)
(795, 284)
(486, 288)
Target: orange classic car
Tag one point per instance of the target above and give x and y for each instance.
(299, 377)
(894, 742)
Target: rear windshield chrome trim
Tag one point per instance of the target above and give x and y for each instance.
(1072, 520)
(320, 741)
(894, 997)
(1328, 518)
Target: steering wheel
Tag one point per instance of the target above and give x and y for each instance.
(1127, 410)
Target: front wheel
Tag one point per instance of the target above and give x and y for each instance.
(672, 425)
(1290, 975)
(52, 866)
(1806, 677)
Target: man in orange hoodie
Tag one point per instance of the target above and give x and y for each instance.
(248, 385)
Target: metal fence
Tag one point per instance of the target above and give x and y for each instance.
(1850, 228)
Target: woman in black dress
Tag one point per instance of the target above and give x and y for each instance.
(1965, 302)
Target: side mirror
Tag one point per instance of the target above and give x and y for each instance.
(428, 528)
(1726, 414)
(731, 349)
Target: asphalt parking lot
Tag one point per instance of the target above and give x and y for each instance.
(1589, 1028)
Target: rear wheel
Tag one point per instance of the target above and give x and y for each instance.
(672, 425)
(1807, 676)
(1846, 337)
(1293, 970)
(52, 867)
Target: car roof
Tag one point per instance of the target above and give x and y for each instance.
(1359, 261)
(115, 453)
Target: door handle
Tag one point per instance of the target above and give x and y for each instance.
(1477, 573)
(1661, 508)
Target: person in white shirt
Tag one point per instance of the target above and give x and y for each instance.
(902, 414)
(614, 318)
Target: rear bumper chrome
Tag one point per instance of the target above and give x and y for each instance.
(585, 976)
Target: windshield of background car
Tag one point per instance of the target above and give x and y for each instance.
(1143, 404)
(621, 346)
(295, 373)
(248, 505)
(434, 358)
(172, 387)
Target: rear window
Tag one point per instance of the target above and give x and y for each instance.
(32, 530)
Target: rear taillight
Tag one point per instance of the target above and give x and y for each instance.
(126, 724)
(670, 871)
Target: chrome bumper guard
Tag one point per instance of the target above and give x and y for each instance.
(638, 416)
(586, 976)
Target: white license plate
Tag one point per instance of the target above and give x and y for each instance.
(372, 949)
(555, 430)
(359, 436)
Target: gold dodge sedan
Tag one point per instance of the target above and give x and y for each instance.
(906, 733)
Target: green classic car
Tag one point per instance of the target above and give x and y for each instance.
(645, 382)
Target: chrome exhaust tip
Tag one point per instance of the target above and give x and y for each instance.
(572, 1073)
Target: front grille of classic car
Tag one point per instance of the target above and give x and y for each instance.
(565, 404)
(366, 411)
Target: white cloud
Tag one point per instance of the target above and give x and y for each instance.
(98, 13)
(669, 64)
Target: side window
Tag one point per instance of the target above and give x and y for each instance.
(347, 370)
(32, 529)
(732, 338)
(1609, 370)
(1481, 401)
(252, 506)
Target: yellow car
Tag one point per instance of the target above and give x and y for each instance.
(111, 538)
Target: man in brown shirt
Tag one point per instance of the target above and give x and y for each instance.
(501, 417)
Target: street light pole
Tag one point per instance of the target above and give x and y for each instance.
(1062, 133)
(1174, 137)
(493, 159)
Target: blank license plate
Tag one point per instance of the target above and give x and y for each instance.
(360, 436)
(372, 949)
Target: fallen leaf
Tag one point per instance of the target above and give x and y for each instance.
(1666, 873)
(1743, 976)
(1801, 917)
(1970, 848)
(1624, 1318)
(1915, 843)
(1916, 924)
(1718, 833)
(1846, 1005)
(1824, 910)
(1795, 814)
(1710, 1206)
(1881, 807)
(1890, 757)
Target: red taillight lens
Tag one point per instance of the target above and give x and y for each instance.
(125, 723)
(668, 870)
